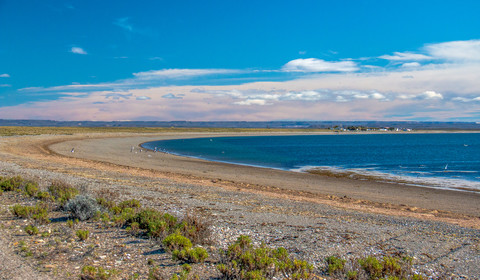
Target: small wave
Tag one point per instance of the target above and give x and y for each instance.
(362, 174)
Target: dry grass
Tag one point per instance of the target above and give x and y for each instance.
(26, 130)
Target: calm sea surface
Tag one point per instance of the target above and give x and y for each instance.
(450, 160)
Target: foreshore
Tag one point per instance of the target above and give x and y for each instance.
(265, 201)
(348, 192)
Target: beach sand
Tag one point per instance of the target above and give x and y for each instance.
(311, 215)
(114, 151)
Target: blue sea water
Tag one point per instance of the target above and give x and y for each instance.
(445, 160)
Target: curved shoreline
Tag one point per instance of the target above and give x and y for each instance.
(349, 192)
(112, 152)
(327, 171)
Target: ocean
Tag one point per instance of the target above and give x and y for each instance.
(443, 160)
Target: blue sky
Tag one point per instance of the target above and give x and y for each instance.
(240, 60)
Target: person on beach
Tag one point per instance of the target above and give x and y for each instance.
(73, 150)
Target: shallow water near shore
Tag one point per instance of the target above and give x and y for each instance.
(446, 160)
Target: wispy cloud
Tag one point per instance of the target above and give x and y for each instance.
(78, 50)
(124, 23)
(406, 56)
(454, 51)
(319, 65)
(180, 73)
(250, 102)
(4, 75)
(143, 98)
(172, 96)
(464, 51)
(437, 81)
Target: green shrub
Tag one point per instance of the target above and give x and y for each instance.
(194, 255)
(45, 196)
(72, 223)
(133, 228)
(107, 204)
(132, 203)
(243, 261)
(372, 267)
(31, 230)
(62, 192)
(335, 264)
(127, 215)
(352, 275)
(11, 184)
(82, 207)
(183, 274)
(39, 212)
(31, 188)
(195, 228)
(96, 273)
(83, 234)
(156, 223)
(176, 241)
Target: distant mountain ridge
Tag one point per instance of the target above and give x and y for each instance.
(245, 124)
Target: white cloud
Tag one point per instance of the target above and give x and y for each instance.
(341, 99)
(319, 65)
(172, 96)
(429, 94)
(249, 102)
(405, 56)
(4, 75)
(308, 95)
(143, 98)
(466, 100)
(411, 65)
(377, 96)
(179, 73)
(77, 50)
(456, 50)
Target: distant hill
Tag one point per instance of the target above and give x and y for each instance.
(242, 124)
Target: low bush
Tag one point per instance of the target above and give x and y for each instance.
(82, 207)
(31, 188)
(31, 230)
(39, 212)
(45, 196)
(11, 184)
(62, 192)
(107, 204)
(72, 223)
(244, 261)
(335, 264)
(388, 267)
(176, 241)
(196, 229)
(193, 255)
(83, 234)
(96, 273)
(132, 203)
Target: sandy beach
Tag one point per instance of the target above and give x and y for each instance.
(348, 192)
(262, 201)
